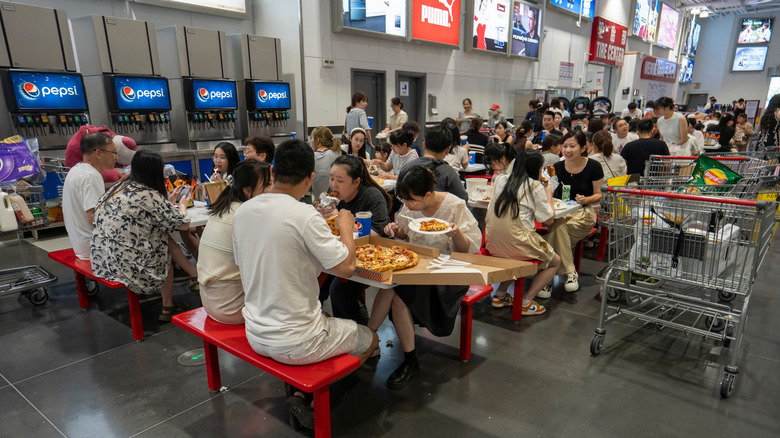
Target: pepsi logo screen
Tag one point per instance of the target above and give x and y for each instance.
(214, 94)
(135, 93)
(272, 95)
(48, 91)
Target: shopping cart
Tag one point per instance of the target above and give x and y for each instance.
(31, 281)
(673, 255)
(668, 169)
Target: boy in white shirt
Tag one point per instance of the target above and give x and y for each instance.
(279, 269)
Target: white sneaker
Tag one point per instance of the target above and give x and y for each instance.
(546, 292)
(571, 282)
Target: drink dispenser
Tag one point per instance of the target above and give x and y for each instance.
(139, 107)
(211, 106)
(268, 105)
(49, 106)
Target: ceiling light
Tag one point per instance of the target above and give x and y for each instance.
(704, 14)
(695, 11)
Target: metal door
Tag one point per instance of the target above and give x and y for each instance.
(372, 83)
(410, 88)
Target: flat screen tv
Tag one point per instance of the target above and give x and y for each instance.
(755, 31)
(749, 59)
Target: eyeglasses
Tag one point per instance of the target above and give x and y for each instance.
(408, 201)
(106, 150)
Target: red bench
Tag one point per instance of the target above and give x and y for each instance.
(474, 294)
(83, 269)
(314, 378)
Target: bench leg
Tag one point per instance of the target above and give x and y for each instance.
(81, 290)
(135, 315)
(517, 307)
(602, 243)
(212, 366)
(466, 316)
(322, 412)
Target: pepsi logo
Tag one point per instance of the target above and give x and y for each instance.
(128, 93)
(203, 94)
(30, 90)
(262, 95)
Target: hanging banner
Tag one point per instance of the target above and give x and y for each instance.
(657, 90)
(566, 74)
(594, 81)
(607, 42)
(657, 69)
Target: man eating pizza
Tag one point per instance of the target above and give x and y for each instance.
(279, 269)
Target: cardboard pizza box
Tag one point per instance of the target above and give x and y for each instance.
(491, 269)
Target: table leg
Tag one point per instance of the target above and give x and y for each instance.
(466, 315)
(517, 307)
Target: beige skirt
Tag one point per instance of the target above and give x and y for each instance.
(223, 300)
(527, 246)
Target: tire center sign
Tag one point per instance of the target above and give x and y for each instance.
(607, 42)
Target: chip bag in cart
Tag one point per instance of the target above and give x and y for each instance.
(711, 177)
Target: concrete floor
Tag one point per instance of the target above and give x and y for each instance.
(64, 372)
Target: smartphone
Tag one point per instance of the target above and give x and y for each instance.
(184, 192)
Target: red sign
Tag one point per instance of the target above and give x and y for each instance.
(437, 21)
(607, 42)
(657, 69)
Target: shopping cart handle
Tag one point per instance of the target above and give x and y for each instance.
(713, 199)
(692, 158)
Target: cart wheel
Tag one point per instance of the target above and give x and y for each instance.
(38, 296)
(93, 287)
(714, 326)
(727, 385)
(596, 344)
(613, 295)
(726, 296)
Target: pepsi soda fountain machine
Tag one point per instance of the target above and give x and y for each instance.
(43, 95)
(49, 106)
(139, 107)
(268, 105)
(211, 106)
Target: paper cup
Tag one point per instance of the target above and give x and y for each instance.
(293, 135)
(463, 140)
(364, 223)
(472, 157)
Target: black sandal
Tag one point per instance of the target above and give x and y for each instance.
(172, 310)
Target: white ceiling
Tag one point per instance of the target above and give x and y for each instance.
(738, 7)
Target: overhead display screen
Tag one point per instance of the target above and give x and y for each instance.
(141, 93)
(755, 30)
(667, 27)
(381, 16)
(646, 19)
(33, 91)
(749, 59)
(692, 40)
(584, 7)
(214, 94)
(436, 21)
(686, 70)
(526, 27)
(271, 96)
(491, 19)
(218, 7)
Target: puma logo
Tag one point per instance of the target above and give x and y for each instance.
(448, 6)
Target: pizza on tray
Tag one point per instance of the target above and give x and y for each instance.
(380, 259)
(433, 225)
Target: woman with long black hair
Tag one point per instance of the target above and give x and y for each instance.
(725, 129)
(220, 281)
(131, 241)
(769, 128)
(520, 199)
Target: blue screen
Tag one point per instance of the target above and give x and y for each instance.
(214, 94)
(272, 95)
(141, 94)
(53, 91)
(574, 6)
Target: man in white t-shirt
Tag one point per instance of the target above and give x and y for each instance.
(83, 187)
(632, 111)
(622, 136)
(279, 268)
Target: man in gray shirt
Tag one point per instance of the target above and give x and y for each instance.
(436, 146)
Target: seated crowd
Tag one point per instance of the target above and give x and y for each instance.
(262, 251)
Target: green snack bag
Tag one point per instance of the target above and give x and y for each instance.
(710, 176)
